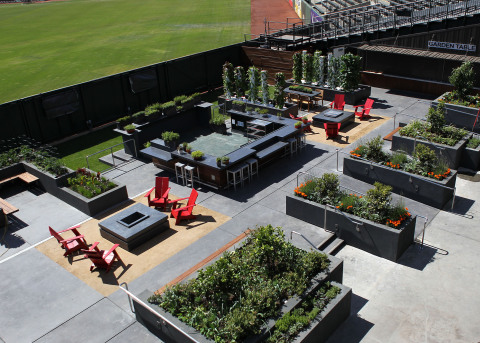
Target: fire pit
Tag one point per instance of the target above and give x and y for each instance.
(134, 226)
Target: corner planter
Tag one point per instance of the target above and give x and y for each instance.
(460, 116)
(470, 158)
(374, 238)
(451, 154)
(416, 187)
(323, 325)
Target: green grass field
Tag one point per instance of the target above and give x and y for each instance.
(45, 46)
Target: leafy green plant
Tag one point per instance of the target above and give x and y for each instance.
(238, 102)
(225, 159)
(426, 157)
(217, 119)
(350, 72)
(129, 127)
(228, 79)
(170, 136)
(89, 184)
(179, 98)
(197, 155)
(473, 142)
(436, 118)
(308, 67)
(297, 67)
(262, 111)
(153, 109)
(124, 120)
(298, 124)
(168, 105)
(300, 88)
(254, 79)
(240, 81)
(279, 93)
(264, 87)
(333, 78)
(147, 144)
(318, 67)
(462, 79)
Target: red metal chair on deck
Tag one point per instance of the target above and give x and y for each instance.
(338, 103)
(101, 258)
(71, 244)
(365, 109)
(331, 129)
(186, 211)
(160, 198)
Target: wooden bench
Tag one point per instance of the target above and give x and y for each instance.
(25, 177)
(7, 207)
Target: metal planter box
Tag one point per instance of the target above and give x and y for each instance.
(451, 154)
(470, 158)
(374, 238)
(319, 330)
(460, 116)
(416, 187)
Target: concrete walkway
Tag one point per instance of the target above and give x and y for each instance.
(429, 295)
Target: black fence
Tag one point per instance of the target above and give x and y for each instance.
(63, 112)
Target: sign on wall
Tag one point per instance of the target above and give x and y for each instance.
(315, 17)
(452, 46)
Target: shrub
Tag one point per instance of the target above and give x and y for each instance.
(178, 99)
(129, 127)
(279, 93)
(170, 136)
(297, 67)
(426, 157)
(89, 184)
(350, 72)
(124, 120)
(473, 142)
(298, 124)
(238, 102)
(152, 109)
(300, 88)
(371, 150)
(436, 118)
(197, 154)
(168, 105)
(462, 79)
(240, 81)
(262, 111)
(225, 159)
(228, 79)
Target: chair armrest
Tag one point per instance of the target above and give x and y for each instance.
(71, 239)
(165, 194)
(148, 193)
(358, 106)
(70, 228)
(177, 200)
(331, 104)
(115, 246)
(183, 208)
(94, 246)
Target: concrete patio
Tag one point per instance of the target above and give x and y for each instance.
(429, 295)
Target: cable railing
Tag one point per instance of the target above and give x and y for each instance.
(111, 153)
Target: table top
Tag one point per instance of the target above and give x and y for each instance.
(260, 122)
(325, 118)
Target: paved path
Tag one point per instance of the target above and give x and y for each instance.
(429, 295)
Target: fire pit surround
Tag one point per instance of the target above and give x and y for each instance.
(134, 226)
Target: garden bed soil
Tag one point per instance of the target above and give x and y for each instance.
(451, 154)
(460, 116)
(355, 97)
(374, 238)
(416, 187)
(327, 321)
(289, 108)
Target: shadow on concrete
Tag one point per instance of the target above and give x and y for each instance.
(411, 94)
(354, 328)
(418, 256)
(380, 104)
(461, 207)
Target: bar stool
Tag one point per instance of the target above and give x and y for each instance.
(253, 164)
(245, 170)
(234, 177)
(301, 141)
(292, 145)
(190, 174)
(180, 167)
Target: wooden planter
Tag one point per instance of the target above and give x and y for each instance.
(325, 323)
(416, 187)
(451, 154)
(460, 116)
(374, 238)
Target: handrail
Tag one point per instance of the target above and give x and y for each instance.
(165, 320)
(111, 151)
(305, 238)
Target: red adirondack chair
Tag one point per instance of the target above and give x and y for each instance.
(160, 198)
(331, 129)
(101, 258)
(364, 112)
(186, 211)
(338, 103)
(71, 244)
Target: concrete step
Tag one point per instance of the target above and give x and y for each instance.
(331, 244)
(119, 157)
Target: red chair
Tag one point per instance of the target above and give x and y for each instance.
(71, 244)
(331, 129)
(365, 111)
(338, 103)
(296, 118)
(160, 198)
(186, 211)
(101, 258)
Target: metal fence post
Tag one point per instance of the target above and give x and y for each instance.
(337, 159)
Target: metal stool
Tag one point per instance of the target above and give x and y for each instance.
(292, 145)
(245, 170)
(301, 141)
(190, 174)
(234, 177)
(181, 175)
(253, 164)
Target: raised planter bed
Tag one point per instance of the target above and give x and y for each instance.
(416, 187)
(351, 98)
(325, 323)
(374, 238)
(470, 158)
(460, 116)
(451, 154)
(290, 108)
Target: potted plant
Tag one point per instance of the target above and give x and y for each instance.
(138, 117)
(240, 82)
(307, 68)
(318, 68)
(279, 93)
(305, 119)
(228, 80)
(169, 108)
(297, 67)
(225, 160)
(264, 86)
(130, 128)
(184, 146)
(238, 105)
(298, 125)
(170, 139)
(152, 111)
(197, 155)
(254, 77)
(219, 161)
(188, 148)
(350, 71)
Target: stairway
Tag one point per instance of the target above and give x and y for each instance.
(118, 158)
(331, 244)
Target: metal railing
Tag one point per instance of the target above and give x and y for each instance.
(111, 153)
(305, 238)
(144, 305)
